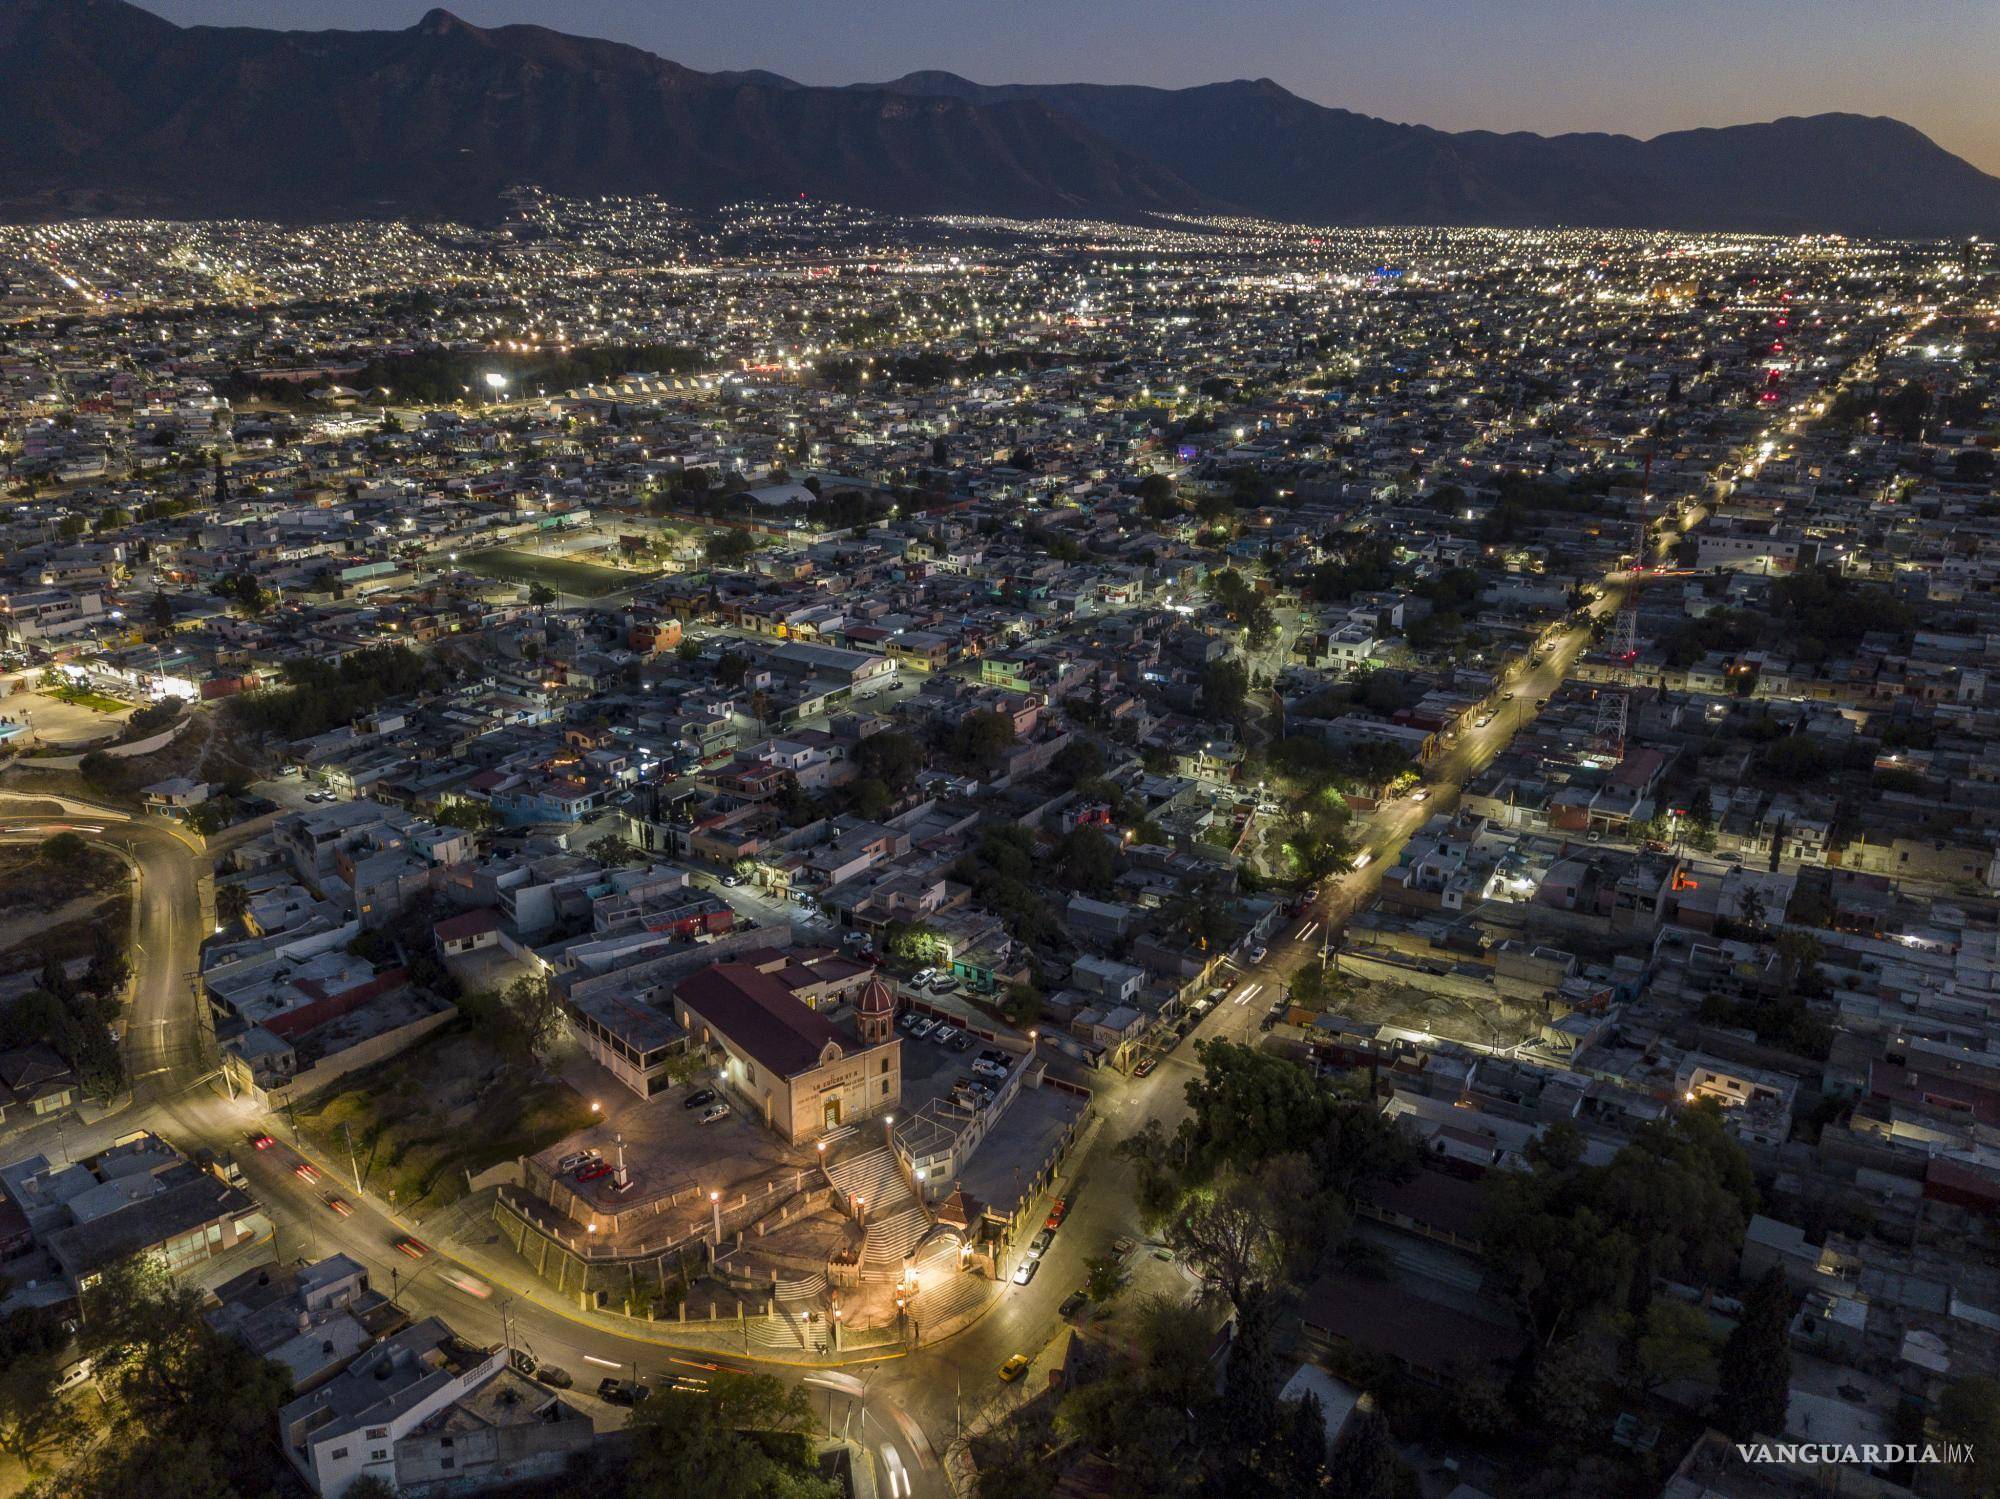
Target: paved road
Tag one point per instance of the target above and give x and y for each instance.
(176, 1091)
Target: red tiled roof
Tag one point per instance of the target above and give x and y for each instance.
(758, 1013)
(474, 923)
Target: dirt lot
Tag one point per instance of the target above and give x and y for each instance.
(31, 882)
(567, 574)
(451, 1104)
(1489, 1023)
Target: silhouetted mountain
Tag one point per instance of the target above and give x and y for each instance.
(1254, 144)
(110, 107)
(107, 104)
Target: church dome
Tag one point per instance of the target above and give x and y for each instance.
(877, 998)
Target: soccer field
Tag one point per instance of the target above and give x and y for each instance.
(564, 574)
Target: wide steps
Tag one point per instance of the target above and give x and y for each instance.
(891, 1237)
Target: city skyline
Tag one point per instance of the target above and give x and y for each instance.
(1548, 68)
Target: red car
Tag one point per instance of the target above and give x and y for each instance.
(260, 1141)
(416, 1249)
(592, 1172)
(339, 1205)
(1057, 1213)
(1145, 1068)
(306, 1171)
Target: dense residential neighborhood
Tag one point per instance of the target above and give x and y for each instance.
(1013, 857)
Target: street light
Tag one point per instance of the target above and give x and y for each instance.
(495, 382)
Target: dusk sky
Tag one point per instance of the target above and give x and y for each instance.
(1637, 66)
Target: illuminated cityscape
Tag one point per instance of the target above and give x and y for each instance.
(787, 849)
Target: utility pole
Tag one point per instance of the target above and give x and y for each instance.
(353, 1165)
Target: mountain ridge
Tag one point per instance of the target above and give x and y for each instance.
(113, 108)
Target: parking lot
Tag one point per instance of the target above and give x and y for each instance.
(673, 1161)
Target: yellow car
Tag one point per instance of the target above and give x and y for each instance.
(1014, 1368)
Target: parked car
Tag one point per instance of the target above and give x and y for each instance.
(697, 1098)
(1025, 1271)
(1073, 1303)
(1057, 1212)
(923, 975)
(961, 1042)
(943, 1034)
(1145, 1067)
(575, 1159)
(555, 1378)
(622, 1391)
(923, 1028)
(593, 1171)
(1258, 954)
(988, 1069)
(944, 983)
(714, 1112)
(1014, 1368)
(732, 880)
(1039, 1245)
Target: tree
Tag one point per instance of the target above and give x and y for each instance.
(1222, 1235)
(1247, 1107)
(38, 1428)
(722, 548)
(1224, 686)
(1754, 1374)
(1103, 1278)
(64, 850)
(540, 595)
(1363, 1463)
(746, 1438)
(1674, 1344)
(1085, 860)
(981, 737)
(194, 1411)
(535, 1012)
(870, 799)
(1248, 1412)
(891, 757)
(1568, 1388)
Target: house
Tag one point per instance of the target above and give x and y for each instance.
(314, 1319)
(138, 1197)
(175, 794)
(399, 1411)
(35, 1083)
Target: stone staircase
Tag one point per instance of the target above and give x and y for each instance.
(948, 1294)
(872, 1175)
(785, 1331)
(891, 1236)
(893, 1222)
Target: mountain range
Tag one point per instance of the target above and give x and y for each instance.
(113, 109)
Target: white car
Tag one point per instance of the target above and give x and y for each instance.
(923, 975)
(714, 1112)
(943, 1034)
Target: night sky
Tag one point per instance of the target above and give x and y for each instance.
(1637, 66)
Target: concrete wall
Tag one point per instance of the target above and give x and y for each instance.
(330, 1070)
